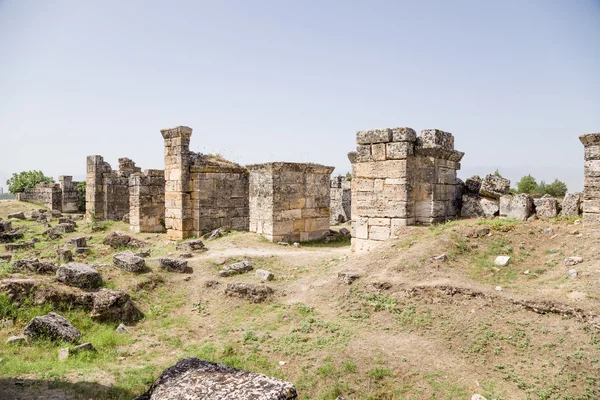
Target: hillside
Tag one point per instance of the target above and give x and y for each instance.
(408, 326)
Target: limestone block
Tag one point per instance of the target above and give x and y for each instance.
(399, 150)
(398, 223)
(378, 151)
(592, 152)
(379, 232)
(591, 168)
(571, 205)
(381, 169)
(518, 207)
(374, 136)
(494, 186)
(379, 221)
(591, 218)
(547, 207)
(436, 138)
(403, 135)
(360, 226)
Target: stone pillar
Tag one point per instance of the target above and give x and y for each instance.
(69, 194)
(94, 188)
(591, 182)
(147, 201)
(178, 211)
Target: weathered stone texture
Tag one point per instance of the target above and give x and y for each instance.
(571, 205)
(70, 194)
(399, 179)
(518, 207)
(494, 186)
(196, 379)
(547, 207)
(591, 182)
(107, 191)
(147, 201)
(341, 200)
(46, 194)
(290, 201)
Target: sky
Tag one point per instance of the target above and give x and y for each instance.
(515, 81)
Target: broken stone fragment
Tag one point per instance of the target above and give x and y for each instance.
(117, 239)
(64, 228)
(33, 266)
(348, 277)
(546, 207)
(473, 184)
(16, 340)
(518, 207)
(196, 379)
(254, 293)
(571, 205)
(570, 261)
(84, 347)
(236, 268)
(20, 246)
(64, 255)
(114, 305)
(79, 275)
(122, 329)
(19, 215)
(52, 327)
(494, 186)
(441, 257)
(173, 264)
(502, 261)
(190, 245)
(129, 262)
(63, 354)
(80, 241)
(264, 275)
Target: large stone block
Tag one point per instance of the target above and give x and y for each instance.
(494, 186)
(571, 205)
(399, 150)
(374, 136)
(518, 207)
(382, 169)
(547, 207)
(436, 138)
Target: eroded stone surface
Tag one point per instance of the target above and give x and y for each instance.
(51, 326)
(236, 268)
(254, 293)
(194, 379)
(173, 264)
(518, 207)
(128, 261)
(546, 207)
(34, 266)
(79, 275)
(494, 186)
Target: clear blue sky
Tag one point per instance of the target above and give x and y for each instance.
(516, 82)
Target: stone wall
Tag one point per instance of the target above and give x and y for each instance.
(341, 200)
(219, 196)
(107, 191)
(289, 201)
(147, 201)
(70, 194)
(591, 182)
(400, 179)
(46, 194)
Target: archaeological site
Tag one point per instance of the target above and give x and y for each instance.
(276, 280)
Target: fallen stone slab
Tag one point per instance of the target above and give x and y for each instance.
(474, 206)
(51, 326)
(64, 228)
(5, 226)
(473, 184)
(494, 186)
(5, 258)
(9, 237)
(217, 233)
(83, 347)
(63, 354)
(19, 246)
(173, 264)
(546, 207)
(80, 241)
(52, 234)
(236, 268)
(19, 215)
(33, 266)
(79, 275)
(64, 255)
(571, 205)
(518, 207)
(254, 293)
(264, 275)
(116, 239)
(115, 306)
(129, 262)
(17, 289)
(82, 250)
(190, 245)
(69, 221)
(195, 379)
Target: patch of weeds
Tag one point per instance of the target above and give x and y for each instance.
(349, 367)
(342, 241)
(379, 373)
(5, 269)
(501, 225)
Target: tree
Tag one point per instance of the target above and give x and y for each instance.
(527, 184)
(497, 173)
(26, 180)
(81, 186)
(556, 189)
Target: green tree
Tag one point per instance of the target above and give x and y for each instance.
(527, 184)
(556, 189)
(81, 196)
(26, 180)
(497, 173)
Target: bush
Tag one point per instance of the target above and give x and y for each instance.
(528, 184)
(26, 180)
(81, 196)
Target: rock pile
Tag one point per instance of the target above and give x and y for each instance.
(482, 197)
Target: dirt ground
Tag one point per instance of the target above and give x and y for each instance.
(408, 327)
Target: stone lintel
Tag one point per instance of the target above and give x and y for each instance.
(176, 132)
(289, 166)
(440, 152)
(590, 139)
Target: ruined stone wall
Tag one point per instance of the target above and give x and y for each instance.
(591, 182)
(107, 191)
(46, 194)
(219, 197)
(290, 201)
(147, 201)
(400, 179)
(70, 194)
(341, 200)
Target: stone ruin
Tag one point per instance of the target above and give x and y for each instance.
(399, 179)
(591, 180)
(62, 196)
(289, 201)
(147, 201)
(341, 200)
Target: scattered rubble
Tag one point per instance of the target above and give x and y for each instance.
(129, 262)
(173, 264)
(254, 293)
(236, 268)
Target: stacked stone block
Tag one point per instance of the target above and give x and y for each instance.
(400, 179)
(290, 201)
(107, 191)
(70, 194)
(147, 201)
(591, 183)
(46, 194)
(341, 200)
(178, 207)
(219, 194)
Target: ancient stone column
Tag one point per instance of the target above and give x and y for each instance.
(591, 182)
(178, 212)
(94, 188)
(147, 201)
